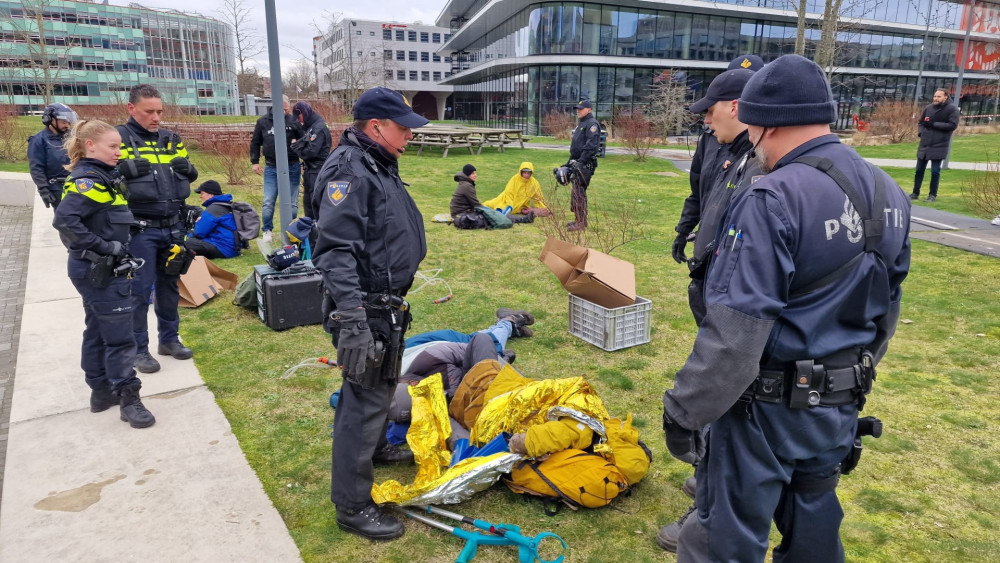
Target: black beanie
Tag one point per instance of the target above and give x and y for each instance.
(790, 90)
(468, 169)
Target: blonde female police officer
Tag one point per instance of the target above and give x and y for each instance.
(370, 243)
(93, 221)
(802, 299)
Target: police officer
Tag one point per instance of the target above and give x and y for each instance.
(46, 154)
(370, 243)
(263, 142)
(159, 174)
(583, 161)
(93, 223)
(313, 146)
(706, 166)
(802, 299)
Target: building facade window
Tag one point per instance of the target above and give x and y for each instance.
(425, 75)
(425, 56)
(413, 75)
(400, 55)
(387, 55)
(413, 55)
(400, 75)
(411, 35)
(424, 37)
(436, 37)
(437, 75)
(387, 35)
(400, 35)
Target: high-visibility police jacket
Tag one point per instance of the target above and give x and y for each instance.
(93, 213)
(161, 193)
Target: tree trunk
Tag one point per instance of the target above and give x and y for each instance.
(800, 35)
(826, 53)
(43, 61)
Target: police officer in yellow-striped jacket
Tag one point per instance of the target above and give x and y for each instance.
(93, 221)
(159, 174)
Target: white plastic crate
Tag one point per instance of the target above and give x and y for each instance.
(610, 329)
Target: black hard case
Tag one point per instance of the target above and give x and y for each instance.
(291, 297)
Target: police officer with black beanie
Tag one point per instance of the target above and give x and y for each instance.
(802, 300)
(370, 243)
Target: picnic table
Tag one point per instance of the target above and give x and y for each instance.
(459, 136)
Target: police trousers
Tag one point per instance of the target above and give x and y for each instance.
(746, 479)
(152, 245)
(358, 430)
(108, 349)
(578, 198)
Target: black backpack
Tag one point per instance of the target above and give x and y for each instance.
(472, 220)
(247, 223)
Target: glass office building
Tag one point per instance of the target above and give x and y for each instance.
(93, 53)
(515, 61)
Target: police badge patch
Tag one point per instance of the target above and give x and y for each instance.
(84, 185)
(338, 191)
(593, 129)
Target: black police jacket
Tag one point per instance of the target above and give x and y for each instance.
(161, 193)
(586, 141)
(263, 138)
(729, 173)
(936, 125)
(313, 145)
(702, 167)
(371, 234)
(47, 159)
(93, 211)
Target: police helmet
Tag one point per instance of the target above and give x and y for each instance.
(58, 111)
(563, 175)
(283, 257)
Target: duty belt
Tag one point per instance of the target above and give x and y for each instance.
(160, 223)
(808, 384)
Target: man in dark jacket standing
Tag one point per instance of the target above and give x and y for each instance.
(370, 244)
(263, 141)
(215, 233)
(312, 147)
(464, 200)
(47, 157)
(935, 128)
(583, 159)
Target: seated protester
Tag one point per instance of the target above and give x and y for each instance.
(464, 199)
(215, 233)
(298, 234)
(523, 194)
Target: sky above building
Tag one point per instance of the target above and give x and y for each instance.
(300, 20)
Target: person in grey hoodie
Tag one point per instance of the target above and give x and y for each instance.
(464, 200)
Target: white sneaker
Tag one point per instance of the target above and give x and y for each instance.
(996, 220)
(267, 236)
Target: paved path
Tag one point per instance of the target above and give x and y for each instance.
(79, 486)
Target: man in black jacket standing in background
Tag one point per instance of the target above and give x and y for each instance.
(263, 141)
(935, 128)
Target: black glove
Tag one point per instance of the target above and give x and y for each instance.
(134, 168)
(117, 248)
(48, 198)
(355, 345)
(677, 250)
(685, 445)
(183, 167)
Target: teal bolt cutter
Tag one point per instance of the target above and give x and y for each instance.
(502, 534)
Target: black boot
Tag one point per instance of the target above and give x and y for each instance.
(669, 535)
(132, 409)
(175, 349)
(392, 454)
(102, 400)
(145, 363)
(370, 522)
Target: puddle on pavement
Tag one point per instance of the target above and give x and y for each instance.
(78, 499)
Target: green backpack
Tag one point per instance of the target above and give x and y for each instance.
(495, 219)
(246, 293)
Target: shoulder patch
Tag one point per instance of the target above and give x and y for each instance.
(84, 184)
(312, 137)
(753, 179)
(338, 191)
(593, 129)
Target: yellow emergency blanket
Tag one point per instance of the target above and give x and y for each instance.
(435, 482)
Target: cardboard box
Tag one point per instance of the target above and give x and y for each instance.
(203, 281)
(592, 275)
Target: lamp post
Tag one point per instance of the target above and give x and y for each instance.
(350, 65)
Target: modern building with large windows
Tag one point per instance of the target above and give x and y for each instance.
(355, 55)
(516, 60)
(88, 53)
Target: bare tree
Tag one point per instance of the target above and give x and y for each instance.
(46, 49)
(668, 103)
(357, 62)
(300, 79)
(248, 44)
(800, 34)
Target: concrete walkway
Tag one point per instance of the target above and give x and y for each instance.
(79, 486)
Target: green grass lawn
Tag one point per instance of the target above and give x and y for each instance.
(964, 148)
(928, 490)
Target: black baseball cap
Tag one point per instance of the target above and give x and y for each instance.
(210, 187)
(726, 87)
(749, 62)
(583, 103)
(383, 103)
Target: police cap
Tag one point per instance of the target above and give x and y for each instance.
(383, 103)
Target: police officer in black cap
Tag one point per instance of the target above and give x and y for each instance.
(47, 157)
(802, 299)
(370, 243)
(707, 164)
(583, 161)
(159, 174)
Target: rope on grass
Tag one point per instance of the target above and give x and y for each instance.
(430, 278)
(319, 362)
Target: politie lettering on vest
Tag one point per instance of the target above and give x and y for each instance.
(802, 300)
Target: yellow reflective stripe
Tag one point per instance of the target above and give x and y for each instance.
(98, 193)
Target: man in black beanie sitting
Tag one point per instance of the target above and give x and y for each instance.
(802, 297)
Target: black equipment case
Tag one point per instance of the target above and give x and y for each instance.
(290, 297)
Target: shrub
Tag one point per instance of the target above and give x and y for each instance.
(982, 192)
(896, 121)
(13, 141)
(231, 159)
(635, 132)
(558, 124)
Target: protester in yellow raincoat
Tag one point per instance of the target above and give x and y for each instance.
(523, 194)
